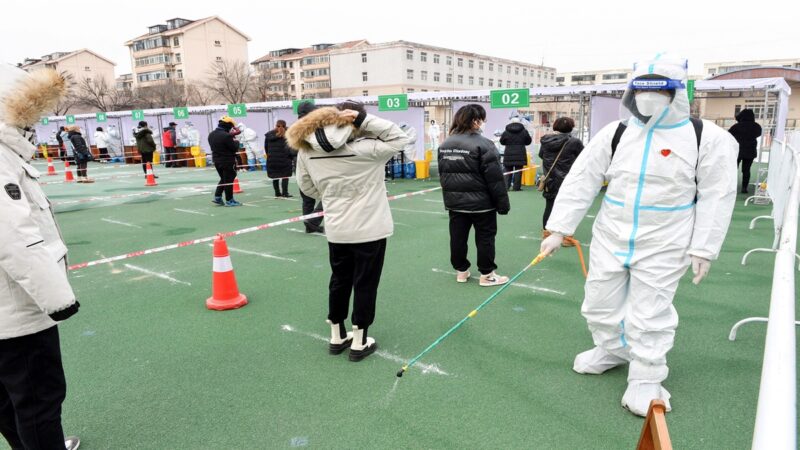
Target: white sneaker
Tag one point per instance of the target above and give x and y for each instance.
(596, 361)
(493, 279)
(462, 277)
(72, 442)
(638, 396)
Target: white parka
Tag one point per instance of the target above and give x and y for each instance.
(349, 179)
(101, 139)
(33, 276)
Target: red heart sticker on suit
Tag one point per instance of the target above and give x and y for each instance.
(665, 152)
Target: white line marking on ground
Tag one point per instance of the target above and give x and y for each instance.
(250, 204)
(191, 211)
(263, 255)
(520, 285)
(162, 276)
(402, 224)
(425, 368)
(421, 212)
(117, 222)
(432, 200)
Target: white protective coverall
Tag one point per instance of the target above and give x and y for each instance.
(433, 132)
(666, 202)
(115, 144)
(255, 153)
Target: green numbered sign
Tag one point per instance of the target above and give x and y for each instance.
(510, 98)
(101, 117)
(237, 110)
(397, 102)
(180, 113)
(690, 90)
(296, 103)
(137, 114)
(70, 119)
(45, 120)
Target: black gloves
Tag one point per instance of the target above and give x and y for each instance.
(66, 313)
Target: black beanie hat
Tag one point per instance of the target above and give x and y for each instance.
(142, 124)
(304, 108)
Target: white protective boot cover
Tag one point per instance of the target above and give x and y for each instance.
(597, 361)
(638, 396)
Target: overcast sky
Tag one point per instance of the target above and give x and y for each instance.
(567, 35)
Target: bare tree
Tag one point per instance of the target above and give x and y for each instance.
(197, 94)
(166, 94)
(99, 96)
(271, 83)
(230, 81)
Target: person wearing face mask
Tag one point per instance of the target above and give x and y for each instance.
(35, 294)
(670, 197)
(474, 192)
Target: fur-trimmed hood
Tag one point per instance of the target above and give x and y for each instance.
(334, 131)
(24, 97)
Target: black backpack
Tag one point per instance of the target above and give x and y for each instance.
(696, 123)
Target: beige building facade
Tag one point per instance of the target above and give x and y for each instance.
(407, 67)
(79, 64)
(715, 69)
(593, 77)
(185, 50)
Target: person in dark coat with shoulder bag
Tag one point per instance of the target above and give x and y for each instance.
(279, 159)
(558, 152)
(82, 153)
(474, 193)
(746, 131)
(224, 152)
(515, 138)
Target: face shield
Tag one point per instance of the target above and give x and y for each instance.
(656, 94)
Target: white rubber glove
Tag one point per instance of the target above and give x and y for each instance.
(700, 268)
(551, 244)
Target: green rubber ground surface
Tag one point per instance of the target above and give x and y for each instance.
(149, 367)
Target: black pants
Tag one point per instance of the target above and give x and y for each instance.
(32, 388)
(355, 268)
(82, 168)
(485, 225)
(284, 184)
(103, 154)
(310, 205)
(548, 208)
(146, 158)
(169, 156)
(747, 163)
(514, 178)
(227, 173)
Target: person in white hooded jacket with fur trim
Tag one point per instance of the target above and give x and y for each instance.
(34, 291)
(341, 157)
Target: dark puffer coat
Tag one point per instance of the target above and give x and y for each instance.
(471, 176)
(144, 140)
(279, 156)
(746, 131)
(515, 138)
(223, 147)
(82, 152)
(551, 145)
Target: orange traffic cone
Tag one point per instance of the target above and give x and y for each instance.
(225, 292)
(51, 170)
(67, 173)
(150, 178)
(236, 188)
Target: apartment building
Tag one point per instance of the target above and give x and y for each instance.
(79, 64)
(183, 49)
(714, 69)
(407, 67)
(590, 77)
(300, 72)
(125, 81)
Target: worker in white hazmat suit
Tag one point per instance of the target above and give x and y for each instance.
(115, 151)
(671, 192)
(255, 154)
(434, 131)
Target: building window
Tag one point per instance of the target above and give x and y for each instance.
(365, 93)
(449, 77)
(217, 44)
(508, 69)
(471, 80)
(460, 62)
(516, 84)
(364, 76)
(409, 74)
(491, 67)
(363, 57)
(219, 58)
(423, 56)
(176, 41)
(461, 79)
(491, 82)
(87, 69)
(471, 64)
(423, 75)
(480, 81)
(582, 78)
(525, 84)
(499, 83)
(180, 74)
(508, 83)
(178, 57)
(614, 76)
(516, 70)
(480, 65)
(500, 68)
(559, 79)
(410, 90)
(435, 58)
(410, 55)
(449, 60)
(436, 77)
(525, 72)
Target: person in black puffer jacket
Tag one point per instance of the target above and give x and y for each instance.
(515, 138)
(474, 193)
(82, 153)
(224, 151)
(279, 159)
(549, 150)
(746, 131)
